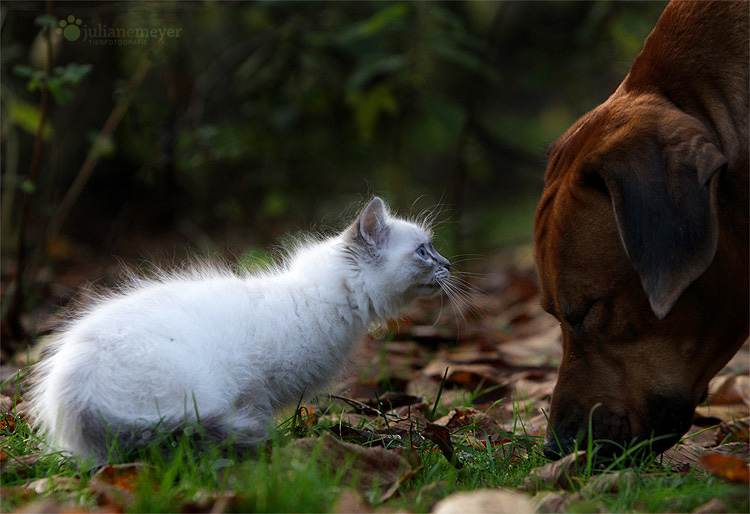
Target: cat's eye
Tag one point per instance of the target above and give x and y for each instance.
(422, 252)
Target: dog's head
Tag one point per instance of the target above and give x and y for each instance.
(627, 242)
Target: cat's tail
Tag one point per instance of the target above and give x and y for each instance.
(98, 437)
(73, 427)
(73, 416)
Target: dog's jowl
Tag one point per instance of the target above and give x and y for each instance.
(642, 235)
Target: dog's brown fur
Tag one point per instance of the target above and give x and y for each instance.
(642, 234)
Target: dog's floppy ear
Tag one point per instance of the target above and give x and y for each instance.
(663, 193)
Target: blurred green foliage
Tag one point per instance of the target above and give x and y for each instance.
(265, 117)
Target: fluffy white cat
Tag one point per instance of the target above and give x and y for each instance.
(228, 350)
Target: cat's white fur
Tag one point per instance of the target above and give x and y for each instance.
(234, 349)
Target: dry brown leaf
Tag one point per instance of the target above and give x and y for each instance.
(687, 455)
(440, 435)
(609, 483)
(548, 501)
(8, 422)
(732, 469)
(469, 376)
(372, 465)
(712, 506)
(538, 350)
(556, 474)
(6, 403)
(421, 385)
(738, 431)
(485, 426)
(205, 500)
(395, 486)
(351, 502)
(114, 485)
(20, 464)
(485, 501)
(683, 456)
(723, 412)
(701, 435)
(730, 388)
(58, 483)
(392, 400)
(41, 506)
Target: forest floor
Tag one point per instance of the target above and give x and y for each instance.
(443, 411)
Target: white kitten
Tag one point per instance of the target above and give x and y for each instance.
(229, 349)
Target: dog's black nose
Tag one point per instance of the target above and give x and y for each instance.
(554, 451)
(558, 445)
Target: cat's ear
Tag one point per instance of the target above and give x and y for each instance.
(372, 223)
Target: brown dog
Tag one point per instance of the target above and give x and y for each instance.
(642, 235)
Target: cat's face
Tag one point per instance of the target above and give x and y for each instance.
(412, 261)
(398, 255)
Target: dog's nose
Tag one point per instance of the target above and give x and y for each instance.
(666, 419)
(569, 431)
(557, 449)
(669, 417)
(561, 437)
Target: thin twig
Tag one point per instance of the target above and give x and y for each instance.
(92, 159)
(17, 300)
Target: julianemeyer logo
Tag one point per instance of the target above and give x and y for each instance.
(73, 29)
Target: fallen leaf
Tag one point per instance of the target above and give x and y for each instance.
(114, 485)
(357, 405)
(609, 483)
(683, 457)
(483, 425)
(6, 403)
(732, 469)
(537, 350)
(41, 506)
(723, 412)
(395, 486)
(58, 483)
(548, 501)
(360, 436)
(8, 423)
(430, 334)
(557, 474)
(427, 387)
(485, 501)
(738, 431)
(468, 376)
(19, 464)
(211, 501)
(372, 465)
(392, 400)
(440, 435)
(307, 414)
(712, 506)
(351, 502)
(730, 388)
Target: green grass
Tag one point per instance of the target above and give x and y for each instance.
(664, 492)
(293, 472)
(279, 478)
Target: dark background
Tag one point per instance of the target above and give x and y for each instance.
(265, 118)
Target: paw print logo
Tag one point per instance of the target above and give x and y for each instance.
(69, 28)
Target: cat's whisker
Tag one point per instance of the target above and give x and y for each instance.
(468, 257)
(460, 292)
(459, 296)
